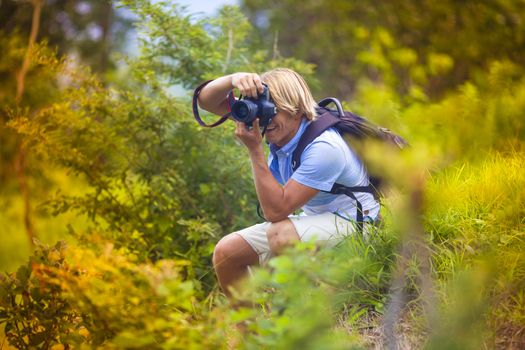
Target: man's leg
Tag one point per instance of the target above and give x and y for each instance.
(231, 258)
(281, 235)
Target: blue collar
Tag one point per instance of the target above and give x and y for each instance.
(292, 144)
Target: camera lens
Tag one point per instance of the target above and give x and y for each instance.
(244, 111)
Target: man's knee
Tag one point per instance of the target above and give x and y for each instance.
(232, 249)
(280, 235)
(224, 250)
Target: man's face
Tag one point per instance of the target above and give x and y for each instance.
(282, 128)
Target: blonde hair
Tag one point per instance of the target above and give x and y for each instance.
(290, 93)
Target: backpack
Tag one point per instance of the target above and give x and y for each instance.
(356, 127)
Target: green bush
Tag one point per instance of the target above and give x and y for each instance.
(73, 296)
(310, 298)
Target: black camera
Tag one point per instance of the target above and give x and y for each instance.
(247, 109)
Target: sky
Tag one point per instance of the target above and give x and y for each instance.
(206, 7)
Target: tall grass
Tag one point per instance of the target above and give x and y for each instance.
(475, 216)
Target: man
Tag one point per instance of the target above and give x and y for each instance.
(326, 218)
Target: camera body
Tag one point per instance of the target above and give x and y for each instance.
(246, 110)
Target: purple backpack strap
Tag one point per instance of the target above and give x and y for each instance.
(316, 128)
(231, 101)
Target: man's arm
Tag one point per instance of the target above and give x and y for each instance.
(213, 96)
(277, 202)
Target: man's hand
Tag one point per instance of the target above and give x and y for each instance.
(277, 202)
(213, 96)
(249, 84)
(251, 138)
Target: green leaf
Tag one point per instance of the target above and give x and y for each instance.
(130, 340)
(8, 326)
(35, 294)
(37, 338)
(242, 314)
(22, 274)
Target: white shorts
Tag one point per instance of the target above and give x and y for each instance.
(327, 229)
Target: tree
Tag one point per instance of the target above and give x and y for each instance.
(88, 28)
(20, 158)
(402, 43)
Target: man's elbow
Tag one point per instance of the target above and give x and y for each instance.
(276, 216)
(204, 105)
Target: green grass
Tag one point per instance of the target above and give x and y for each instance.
(476, 218)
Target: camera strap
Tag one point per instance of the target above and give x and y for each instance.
(266, 127)
(196, 115)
